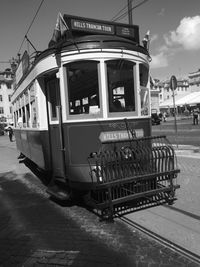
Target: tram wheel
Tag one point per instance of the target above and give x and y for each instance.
(170, 198)
(107, 214)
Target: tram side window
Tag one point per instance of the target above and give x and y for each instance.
(23, 117)
(83, 87)
(34, 114)
(144, 92)
(53, 97)
(144, 75)
(121, 85)
(27, 115)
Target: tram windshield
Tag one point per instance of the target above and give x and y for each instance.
(83, 87)
(121, 85)
(85, 92)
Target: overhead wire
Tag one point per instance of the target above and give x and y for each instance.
(25, 36)
(125, 13)
(124, 8)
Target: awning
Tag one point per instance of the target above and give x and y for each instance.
(190, 99)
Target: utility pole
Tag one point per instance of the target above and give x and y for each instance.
(173, 86)
(130, 18)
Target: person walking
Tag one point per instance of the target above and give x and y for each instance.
(10, 134)
(164, 116)
(195, 117)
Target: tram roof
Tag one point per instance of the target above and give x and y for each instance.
(73, 32)
(72, 27)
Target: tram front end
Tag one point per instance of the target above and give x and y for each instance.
(133, 174)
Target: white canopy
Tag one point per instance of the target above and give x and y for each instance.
(190, 99)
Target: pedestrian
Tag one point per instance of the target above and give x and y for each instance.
(195, 117)
(10, 133)
(164, 116)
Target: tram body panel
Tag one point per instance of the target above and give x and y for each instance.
(34, 144)
(57, 161)
(85, 138)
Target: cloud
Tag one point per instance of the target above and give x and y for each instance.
(159, 61)
(186, 35)
(162, 12)
(153, 38)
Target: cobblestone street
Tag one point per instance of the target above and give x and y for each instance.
(35, 231)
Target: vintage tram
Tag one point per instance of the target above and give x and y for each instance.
(82, 114)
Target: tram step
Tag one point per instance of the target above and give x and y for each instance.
(58, 193)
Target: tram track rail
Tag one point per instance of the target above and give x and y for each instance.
(162, 240)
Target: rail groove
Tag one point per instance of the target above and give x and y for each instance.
(171, 245)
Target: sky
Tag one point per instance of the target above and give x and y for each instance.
(174, 27)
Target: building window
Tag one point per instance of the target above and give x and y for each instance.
(1, 110)
(9, 98)
(1, 98)
(9, 86)
(10, 110)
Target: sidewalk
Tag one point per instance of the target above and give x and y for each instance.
(187, 151)
(34, 231)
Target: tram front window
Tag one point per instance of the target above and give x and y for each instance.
(83, 87)
(121, 85)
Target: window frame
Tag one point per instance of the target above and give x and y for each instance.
(123, 113)
(84, 116)
(49, 81)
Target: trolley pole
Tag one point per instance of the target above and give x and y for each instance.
(130, 18)
(173, 85)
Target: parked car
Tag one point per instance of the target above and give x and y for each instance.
(155, 118)
(1, 132)
(2, 126)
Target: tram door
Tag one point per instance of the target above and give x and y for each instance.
(55, 126)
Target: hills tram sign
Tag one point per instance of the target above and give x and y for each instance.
(94, 26)
(173, 83)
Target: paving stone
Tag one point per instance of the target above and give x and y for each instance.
(38, 232)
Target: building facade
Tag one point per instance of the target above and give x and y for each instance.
(166, 92)
(194, 81)
(6, 91)
(165, 96)
(154, 95)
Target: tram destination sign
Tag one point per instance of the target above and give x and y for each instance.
(80, 24)
(84, 25)
(22, 68)
(119, 135)
(127, 32)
